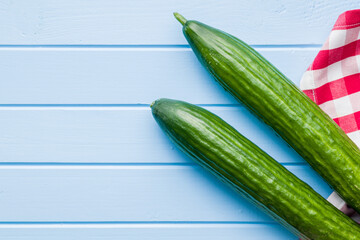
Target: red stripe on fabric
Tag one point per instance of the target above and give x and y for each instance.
(328, 57)
(357, 118)
(323, 94)
(352, 83)
(336, 120)
(349, 123)
(337, 89)
(321, 60)
(310, 94)
(348, 19)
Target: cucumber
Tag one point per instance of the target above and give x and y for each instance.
(274, 99)
(218, 147)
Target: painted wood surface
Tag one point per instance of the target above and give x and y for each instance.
(112, 135)
(121, 75)
(163, 231)
(151, 22)
(81, 157)
(126, 193)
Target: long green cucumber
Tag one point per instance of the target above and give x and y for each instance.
(263, 89)
(231, 157)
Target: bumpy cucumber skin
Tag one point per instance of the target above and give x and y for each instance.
(231, 157)
(274, 99)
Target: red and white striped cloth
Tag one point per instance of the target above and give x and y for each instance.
(333, 82)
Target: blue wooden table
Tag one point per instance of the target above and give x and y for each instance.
(82, 158)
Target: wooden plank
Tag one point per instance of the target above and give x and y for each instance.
(122, 75)
(151, 22)
(146, 232)
(126, 193)
(111, 135)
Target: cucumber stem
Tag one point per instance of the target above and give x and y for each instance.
(180, 18)
(152, 104)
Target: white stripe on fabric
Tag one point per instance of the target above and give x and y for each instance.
(334, 72)
(337, 38)
(343, 106)
(352, 35)
(329, 74)
(355, 137)
(336, 200)
(329, 108)
(355, 101)
(307, 81)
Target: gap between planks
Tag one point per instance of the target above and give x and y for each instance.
(107, 166)
(96, 107)
(175, 224)
(289, 47)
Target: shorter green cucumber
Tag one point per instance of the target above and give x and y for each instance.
(231, 157)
